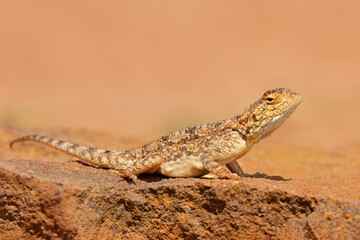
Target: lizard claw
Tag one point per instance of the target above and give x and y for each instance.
(234, 176)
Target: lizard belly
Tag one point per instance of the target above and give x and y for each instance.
(186, 166)
(191, 166)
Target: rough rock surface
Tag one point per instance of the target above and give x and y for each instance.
(50, 198)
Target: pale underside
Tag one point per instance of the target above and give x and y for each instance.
(192, 166)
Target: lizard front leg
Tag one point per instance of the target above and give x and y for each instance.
(208, 160)
(235, 168)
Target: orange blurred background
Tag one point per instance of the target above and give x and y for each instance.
(144, 68)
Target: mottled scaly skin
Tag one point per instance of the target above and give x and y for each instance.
(196, 150)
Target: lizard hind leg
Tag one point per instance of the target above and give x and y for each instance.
(147, 165)
(124, 174)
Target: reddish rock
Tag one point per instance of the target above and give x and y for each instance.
(69, 200)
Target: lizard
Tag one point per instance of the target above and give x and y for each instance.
(193, 151)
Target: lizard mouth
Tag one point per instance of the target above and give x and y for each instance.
(299, 99)
(289, 111)
(293, 107)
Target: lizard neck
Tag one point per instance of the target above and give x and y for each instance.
(244, 129)
(248, 125)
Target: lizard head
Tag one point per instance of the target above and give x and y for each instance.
(268, 113)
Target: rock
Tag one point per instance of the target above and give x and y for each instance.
(53, 200)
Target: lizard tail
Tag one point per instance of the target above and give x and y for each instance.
(94, 156)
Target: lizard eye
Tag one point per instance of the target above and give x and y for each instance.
(269, 99)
